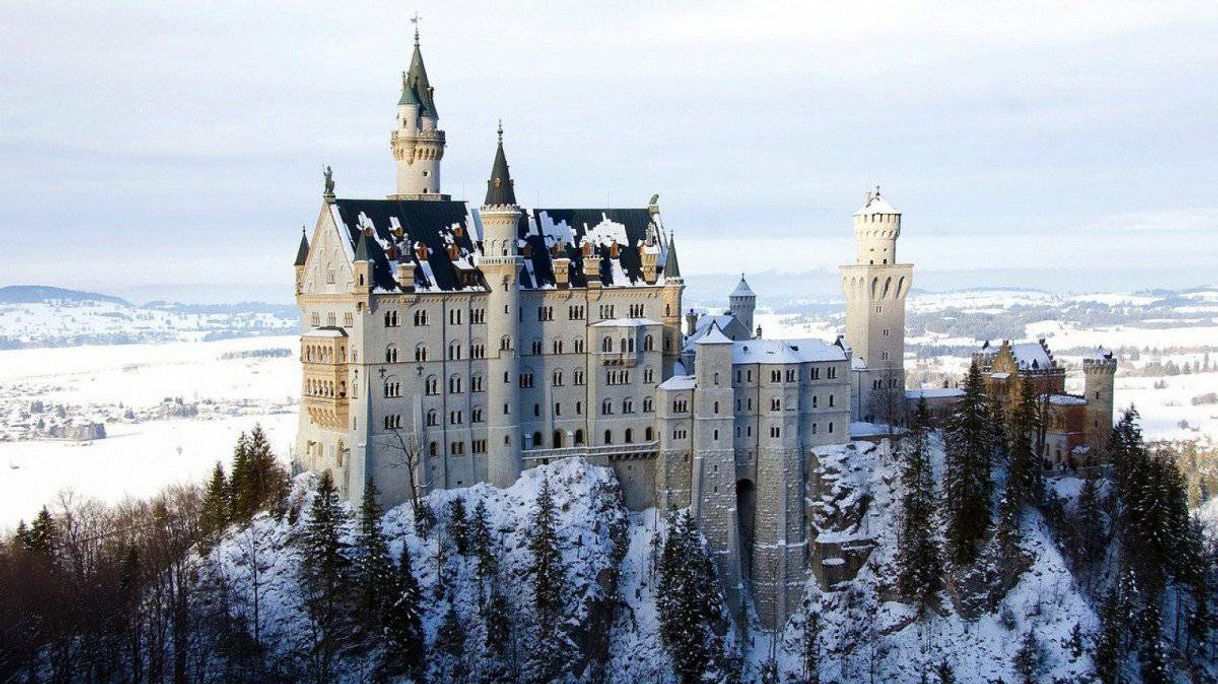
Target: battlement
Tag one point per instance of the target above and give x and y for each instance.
(1106, 365)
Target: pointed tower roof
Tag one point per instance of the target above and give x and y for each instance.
(742, 289)
(363, 248)
(409, 96)
(714, 336)
(302, 252)
(416, 79)
(499, 189)
(671, 268)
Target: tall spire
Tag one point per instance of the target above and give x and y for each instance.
(416, 79)
(499, 189)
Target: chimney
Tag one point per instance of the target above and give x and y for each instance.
(691, 322)
(758, 332)
(562, 271)
(405, 275)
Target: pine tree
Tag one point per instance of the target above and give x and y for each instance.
(1075, 643)
(1025, 473)
(497, 619)
(374, 571)
(242, 495)
(689, 601)
(1152, 655)
(1088, 523)
(405, 648)
(945, 673)
(967, 483)
(325, 576)
(215, 514)
(811, 645)
(483, 547)
(41, 536)
(919, 563)
(1195, 573)
(548, 574)
(1029, 659)
(450, 646)
(264, 471)
(1007, 533)
(458, 527)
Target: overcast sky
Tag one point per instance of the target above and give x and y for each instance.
(152, 148)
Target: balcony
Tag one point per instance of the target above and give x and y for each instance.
(613, 452)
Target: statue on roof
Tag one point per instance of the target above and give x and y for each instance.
(328, 174)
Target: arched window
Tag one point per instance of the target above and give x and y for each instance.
(579, 437)
(557, 381)
(432, 385)
(537, 440)
(716, 407)
(420, 353)
(629, 436)
(454, 351)
(557, 439)
(607, 344)
(648, 434)
(433, 418)
(391, 354)
(649, 343)
(505, 343)
(606, 407)
(608, 436)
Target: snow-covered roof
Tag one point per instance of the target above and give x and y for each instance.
(715, 336)
(1001, 375)
(624, 323)
(786, 351)
(678, 382)
(725, 322)
(935, 393)
(1031, 355)
(742, 289)
(876, 204)
(1067, 400)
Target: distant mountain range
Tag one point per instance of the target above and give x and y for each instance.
(34, 294)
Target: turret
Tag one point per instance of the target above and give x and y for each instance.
(417, 142)
(877, 225)
(742, 303)
(1099, 375)
(674, 287)
(302, 257)
(501, 264)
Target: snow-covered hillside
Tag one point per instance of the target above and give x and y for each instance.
(612, 618)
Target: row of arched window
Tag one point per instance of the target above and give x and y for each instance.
(322, 353)
(325, 388)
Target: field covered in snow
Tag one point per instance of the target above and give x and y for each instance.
(170, 411)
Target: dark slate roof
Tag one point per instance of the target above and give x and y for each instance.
(409, 95)
(302, 252)
(499, 188)
(671, 268)
(428, 222)
(544, 234)
(548, 232)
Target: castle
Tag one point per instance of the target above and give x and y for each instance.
(445, 344)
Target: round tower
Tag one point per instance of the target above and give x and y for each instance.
(742, 303)
(875, 288)
(500, 263)
(417, 142)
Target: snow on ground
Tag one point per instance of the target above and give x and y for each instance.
(133, 461)
(139, 458)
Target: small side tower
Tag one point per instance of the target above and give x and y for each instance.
(302, 257)
(500, 264)
(742, 303)
(875, 287)
(674, 286)
(417, 142)
(1099, 376)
